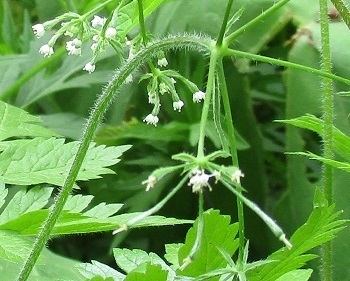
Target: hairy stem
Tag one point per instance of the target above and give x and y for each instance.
(207, 101)
(97, 112)
(224, 23)
(254, 21)
(199, 236)
(343, 11)
(326, 271)
(240, 54)
(233, 149)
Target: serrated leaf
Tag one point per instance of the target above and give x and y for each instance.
(147, 272)
(320, 227)
(299, 274)
(217, 233)
(25, 202)
(129, 260)
(3, 193)
(16, 122)
(96, 269)
(341, 142)
(46, 161)
(171, 254)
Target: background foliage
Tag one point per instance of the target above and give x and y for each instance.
(60, 94)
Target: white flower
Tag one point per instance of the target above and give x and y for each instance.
(39, 30)
(198, 96)
(152, 98)
(172, 80)
(199, 180)
(129, 79)
(69, 33)
(177, 105)
(111, 32)
(95, 38)
(151, 119)
(217, 175)
(89, 67)
(94, 46)
(98, 21)
(151, 182)
(162, 62)
(163, 88)
(46, 50)
(236, 176)
(74, 47)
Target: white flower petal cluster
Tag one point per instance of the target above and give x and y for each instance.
(39, 30)
(74, 47)
(198, 96)
(162, 62)
(89, 67)
(177, 105)
(150, 182)
(163, 88)
(111, 32)
(151, 119)
(46, 50)
(98, 21)
(236, 176)
(152, 97)
(199, 180)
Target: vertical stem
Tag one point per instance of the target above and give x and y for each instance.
(327, 130)
(142, 22)
(233, 148)
(224, 23)
(207, 100)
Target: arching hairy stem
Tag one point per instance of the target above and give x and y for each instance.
(109, 93)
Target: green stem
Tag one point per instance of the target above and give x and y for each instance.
(96, 9)
(240, 54)
(142, 23)
(343, 11)
(97, 113)
(254, 21)
(154, 209)
(207, 101)
(224, 23)
(327, 132)
(233, 148)
(199, 235)
(23, 79)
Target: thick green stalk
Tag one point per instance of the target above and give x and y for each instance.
(233, 148)
(240, 54)
(207, 101)
(254, 21)
(97, 112)
(343, 11)
(326, 271)
(224, 23)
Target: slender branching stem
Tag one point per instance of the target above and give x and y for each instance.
(254, 21)
(233, 148)
(199, 235)
(240, 54)
(326, 269)
(224, 24)
(97, 113)
(343, 11)
(207, 101)
(129, 224)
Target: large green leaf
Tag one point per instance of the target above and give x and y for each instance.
(217, 233)
(16, 122)
(95, 269)
(35, 161)
(147, 272)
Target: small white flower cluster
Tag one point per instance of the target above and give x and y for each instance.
(74, 47)
(236, 176)
(71, 24)
(151, 119)
(198, 96)
(198, 180)
(150, 182)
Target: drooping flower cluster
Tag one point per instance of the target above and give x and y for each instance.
(199, 180)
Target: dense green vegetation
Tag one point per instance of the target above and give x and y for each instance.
(174, 140)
